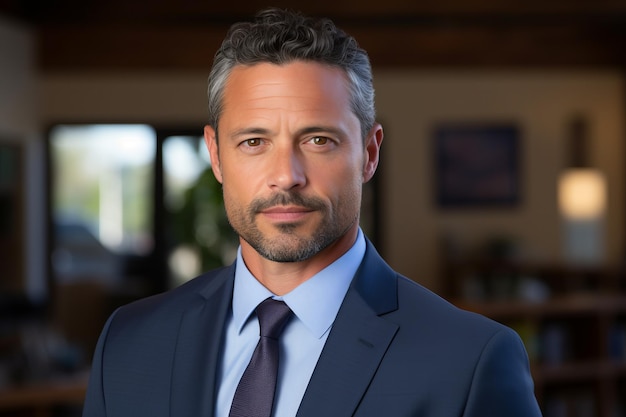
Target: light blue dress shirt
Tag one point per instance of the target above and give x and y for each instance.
(315, 304)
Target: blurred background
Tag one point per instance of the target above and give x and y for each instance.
(501, 187)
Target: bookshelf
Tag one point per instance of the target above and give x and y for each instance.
(572, 321)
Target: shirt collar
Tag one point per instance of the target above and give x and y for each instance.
(315, 302)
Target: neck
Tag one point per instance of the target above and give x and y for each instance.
(282, 277)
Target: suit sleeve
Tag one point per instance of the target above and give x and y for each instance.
(94, 405)
(502, 385)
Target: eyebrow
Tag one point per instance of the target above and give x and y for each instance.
(304, 131)
(250, 131)
(321, 129)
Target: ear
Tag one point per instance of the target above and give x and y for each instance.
(372, 151)
(210, 139)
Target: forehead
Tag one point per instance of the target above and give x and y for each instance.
(290, 85)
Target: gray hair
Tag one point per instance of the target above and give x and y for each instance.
(280, 37)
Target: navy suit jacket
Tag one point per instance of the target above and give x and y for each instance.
(395, 349)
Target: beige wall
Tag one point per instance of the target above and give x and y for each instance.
(410, 104)
(158, 98)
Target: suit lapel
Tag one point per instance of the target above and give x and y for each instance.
(357, 342)
(196, 361)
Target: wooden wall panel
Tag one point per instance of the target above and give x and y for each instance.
(183, 34)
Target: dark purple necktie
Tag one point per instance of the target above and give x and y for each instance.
(254, 396)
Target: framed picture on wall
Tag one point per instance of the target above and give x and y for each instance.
(477, 165)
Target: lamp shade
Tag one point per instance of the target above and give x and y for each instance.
(582, 194)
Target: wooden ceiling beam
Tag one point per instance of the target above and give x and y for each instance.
(141, 47)
(184, 34)
(68, 11)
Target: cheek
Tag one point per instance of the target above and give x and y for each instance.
(239, 186)
(229, 204)
(230, 188)
(345, 184)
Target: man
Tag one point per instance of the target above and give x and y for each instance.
(292, 137)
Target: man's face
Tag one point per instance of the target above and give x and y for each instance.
(291, 158)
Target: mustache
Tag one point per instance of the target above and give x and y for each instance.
(286, 199)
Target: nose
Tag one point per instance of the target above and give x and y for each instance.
(287, 169)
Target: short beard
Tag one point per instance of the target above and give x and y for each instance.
(299, 251)
(289, 247)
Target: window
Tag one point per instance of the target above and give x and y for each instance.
(133, 208)
(200, 237)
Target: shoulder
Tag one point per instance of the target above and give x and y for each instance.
(464, 360)
(161, 309)
(430, 312)
(412, 306)
(481, 353)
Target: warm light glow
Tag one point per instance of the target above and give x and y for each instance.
(582, 194)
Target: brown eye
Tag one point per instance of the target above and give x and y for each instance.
(320, 140)
(253, 142)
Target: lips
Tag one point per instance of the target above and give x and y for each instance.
(286, 213)
(287, 209)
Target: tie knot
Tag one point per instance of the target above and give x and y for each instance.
(273, 316)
